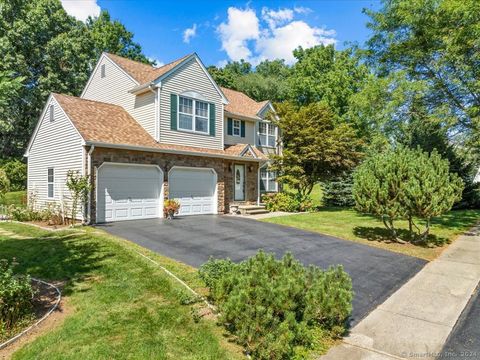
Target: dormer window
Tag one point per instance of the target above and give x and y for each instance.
(102, 71)
(236, 127)
(51, 110)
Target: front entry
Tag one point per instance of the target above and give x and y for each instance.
(239, 180)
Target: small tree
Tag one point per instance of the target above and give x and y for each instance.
(338, 191)
(4, 183)
(316, 147)
(79, 187)
(406, 184)
(377, 188)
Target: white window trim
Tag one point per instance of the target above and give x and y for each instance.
(268, 180)
(52, 183)
(194, 117)
(267, 128)
(239, 128)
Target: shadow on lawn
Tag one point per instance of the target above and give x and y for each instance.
(65, 258)
(383, 235)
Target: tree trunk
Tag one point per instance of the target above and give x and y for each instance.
(389, 225)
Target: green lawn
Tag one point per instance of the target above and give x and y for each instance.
(122, 306)
(351, 225)
(14, 198)
(316, 194)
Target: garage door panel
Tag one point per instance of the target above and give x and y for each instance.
(194, 189)
(128, 192)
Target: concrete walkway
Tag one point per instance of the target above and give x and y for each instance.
(416, 320)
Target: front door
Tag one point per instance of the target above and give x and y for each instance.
(239, 179)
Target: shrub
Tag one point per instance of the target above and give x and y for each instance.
(275, 307)
(79, 186)
(286, 201)
(16, 295)
(406, 183)
(338, 192)
(4, 183)
(16, 172)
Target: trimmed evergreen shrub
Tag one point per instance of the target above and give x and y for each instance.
(286, 201)
(275, 307)
(338, 192)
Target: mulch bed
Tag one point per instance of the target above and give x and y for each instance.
(45, 298)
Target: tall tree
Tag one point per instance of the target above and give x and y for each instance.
(323, 74)
(437, 42)
(51, 52)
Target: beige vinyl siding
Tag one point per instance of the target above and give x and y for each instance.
(56, 145)
(249, 133)
(190, 77)
(114, 89)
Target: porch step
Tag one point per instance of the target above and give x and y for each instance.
(252, 209)
(257, 212)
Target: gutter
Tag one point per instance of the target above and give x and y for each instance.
(168, 151)
(89, 172)
(147, 87)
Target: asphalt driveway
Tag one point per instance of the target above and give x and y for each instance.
(375, 273)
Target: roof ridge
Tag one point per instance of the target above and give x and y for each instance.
(174, 61)
(83, 99)
(126, 58)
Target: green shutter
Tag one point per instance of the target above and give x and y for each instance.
(173, 111)
(212, 119)
(229, 126)
(242, 128)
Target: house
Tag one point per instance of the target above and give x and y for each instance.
(145, 134)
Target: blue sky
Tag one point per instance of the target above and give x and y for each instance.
(220, 31)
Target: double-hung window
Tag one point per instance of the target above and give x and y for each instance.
(268, 181)
(193, 115)
(236, 127)
(50, 182)
(267, 134)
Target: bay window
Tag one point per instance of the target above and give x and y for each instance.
(193, 115)
(267, 134)
(268, 181)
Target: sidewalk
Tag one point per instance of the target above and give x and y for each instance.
(417, 319)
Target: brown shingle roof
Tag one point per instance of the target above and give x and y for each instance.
(241, 104)
(111, 124)
(143, 73)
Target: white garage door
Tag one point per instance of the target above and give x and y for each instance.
(194, 188)
(128, 192)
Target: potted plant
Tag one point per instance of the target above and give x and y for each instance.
(170, 208)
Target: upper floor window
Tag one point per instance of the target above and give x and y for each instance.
(51, 114)
(192, 115)
(236, 127)
(267, 134)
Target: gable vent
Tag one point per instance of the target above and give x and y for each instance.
(52, 113)
(102, 71)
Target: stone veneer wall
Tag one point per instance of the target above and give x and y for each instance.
(223, 168)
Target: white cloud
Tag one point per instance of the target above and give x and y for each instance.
(81, 9)
(280, 43)
(189, 33)
(274, 36)
(278, 17)
(241, 26)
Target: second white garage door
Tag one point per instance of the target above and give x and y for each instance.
(195, 189)
(128, 192)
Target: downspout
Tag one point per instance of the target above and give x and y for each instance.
(89, 172)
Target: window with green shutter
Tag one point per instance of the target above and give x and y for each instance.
(229, 126)
(212, 119)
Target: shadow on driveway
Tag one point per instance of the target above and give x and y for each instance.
(375, 273)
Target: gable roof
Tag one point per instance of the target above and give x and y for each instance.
(242, 104)
(110, 125)
(143, 73)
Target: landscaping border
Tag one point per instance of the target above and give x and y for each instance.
(52, 309)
